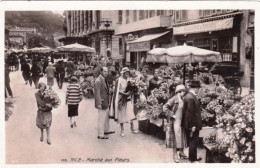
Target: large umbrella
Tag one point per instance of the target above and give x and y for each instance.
(76, 47)
(40, 50)
(183, 54)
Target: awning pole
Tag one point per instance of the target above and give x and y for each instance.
(184, 67)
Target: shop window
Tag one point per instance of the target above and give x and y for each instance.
(177, 15)
(162, 12)
(120, 17)
(225, 48)
(127, 16)
(219, 11)
(202, 43)
(158, 12)
(207, 13)
(141, 15)
(134, 15)
(146, 16)
(184, 15)
(170, 12)
(151, 13)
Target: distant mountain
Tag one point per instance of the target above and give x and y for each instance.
(46, 22)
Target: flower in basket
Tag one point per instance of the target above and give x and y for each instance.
(51, 98)
(77, 73)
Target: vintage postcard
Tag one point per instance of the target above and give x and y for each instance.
(129, 83)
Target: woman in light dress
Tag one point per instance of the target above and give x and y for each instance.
(122, 109)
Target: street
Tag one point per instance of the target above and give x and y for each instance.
(73, 145)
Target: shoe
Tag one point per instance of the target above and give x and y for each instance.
(176, 160)
(194, 162)
(103, 137)
(75, 124)
(71, 125)
(122, 134)
(182, 156)
(135, 131)
(110, 132)
(41, 139)
(199, 159)
(48, 142)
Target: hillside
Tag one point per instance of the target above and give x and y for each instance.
(46, 22)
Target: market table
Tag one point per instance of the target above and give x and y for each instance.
(214, 155)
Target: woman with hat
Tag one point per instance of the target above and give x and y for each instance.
(122, 103)
(73, 98)
(173, 110)
(50, 74)
(44, 115)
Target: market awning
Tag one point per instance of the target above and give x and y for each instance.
(143, 43)
(214, 23)
(204, 27)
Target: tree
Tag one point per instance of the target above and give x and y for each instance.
(40, 40)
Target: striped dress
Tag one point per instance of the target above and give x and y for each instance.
(73, 98)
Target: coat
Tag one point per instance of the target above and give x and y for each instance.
(191, 112)
(101, 91)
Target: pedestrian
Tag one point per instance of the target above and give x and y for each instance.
(35, 74)
(44, 114)
(122, 109)
(60, 74)
(25, 68)
(155, 82)
(102, 95)
(70, 68)
(117, 65)
(50, 74)
(45, 64)
(73, 98)
(7, 81)
(191, 120)
(174, 111)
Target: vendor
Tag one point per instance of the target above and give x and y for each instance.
(155, 82)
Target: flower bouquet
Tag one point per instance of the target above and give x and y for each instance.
(51, 98)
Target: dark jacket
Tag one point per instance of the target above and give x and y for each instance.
(35, 70)
(101, 91)
(191, 112)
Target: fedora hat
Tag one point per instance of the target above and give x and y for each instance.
(195, 84)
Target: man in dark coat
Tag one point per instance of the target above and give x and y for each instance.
(60, 74)
(191, 120)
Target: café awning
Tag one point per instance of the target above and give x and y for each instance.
(216, 23)
(144, 43)
(204, 27)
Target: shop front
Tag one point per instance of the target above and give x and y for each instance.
(136, 50)
(220, 33)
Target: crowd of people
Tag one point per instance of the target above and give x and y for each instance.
(114, 99)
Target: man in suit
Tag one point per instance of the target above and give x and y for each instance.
(191, 120)
(101, 90)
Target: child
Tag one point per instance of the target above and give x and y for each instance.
(73, 98)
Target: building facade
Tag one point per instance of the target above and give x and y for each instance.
(225, 31)
(18, 36)
(142, 30)
(95, 29)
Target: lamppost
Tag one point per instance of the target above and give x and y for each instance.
(107, 35)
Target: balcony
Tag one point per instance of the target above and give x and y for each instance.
(154, 22)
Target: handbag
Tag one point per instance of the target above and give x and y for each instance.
(169, 114)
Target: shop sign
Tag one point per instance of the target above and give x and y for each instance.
(204, 27)
(142, 46)
(132, 37)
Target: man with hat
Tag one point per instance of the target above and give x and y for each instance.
(102, 97)
(191, 120)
